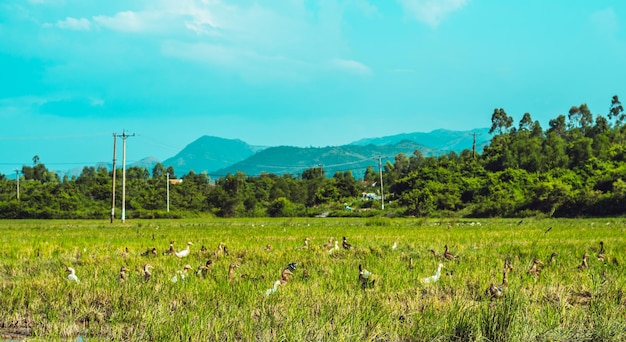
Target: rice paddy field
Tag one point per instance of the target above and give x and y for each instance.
(323, 299)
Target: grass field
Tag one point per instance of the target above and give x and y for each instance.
(323, 300)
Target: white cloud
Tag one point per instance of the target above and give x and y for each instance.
(351, 66)
(70, 23)
(123, 21)
(431, 12)
(250, 64)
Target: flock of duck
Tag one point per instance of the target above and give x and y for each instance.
(497, 291)
(365, 277)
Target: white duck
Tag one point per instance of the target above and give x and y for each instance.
(434, 278)
(184, 252)
(72, 275)
(395, 245)
(181, 274)
(305, 246)
(334, 249)
(277, 283)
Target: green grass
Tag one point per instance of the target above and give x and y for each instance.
(37, 302)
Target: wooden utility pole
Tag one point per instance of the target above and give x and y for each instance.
(17, 179)
(114, 170)
(380, 172)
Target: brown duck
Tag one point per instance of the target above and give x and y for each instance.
(231, 271)
(123, 274)
(448, 255)
(203, 270)
(535, 269)
(170, 251)
(601, 255)
(146, 272)
(364, 278)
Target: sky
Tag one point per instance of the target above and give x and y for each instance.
(309, 73)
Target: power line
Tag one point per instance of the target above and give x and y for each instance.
(52, 137)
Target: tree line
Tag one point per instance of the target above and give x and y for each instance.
(575, 167)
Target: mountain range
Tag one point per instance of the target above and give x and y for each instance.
(219, 157)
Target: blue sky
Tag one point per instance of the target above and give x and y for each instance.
(291, 72)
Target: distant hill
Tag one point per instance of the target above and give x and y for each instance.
(358, 155)
(219, 157)
(209, 153)
(294, 160)
(441, 139)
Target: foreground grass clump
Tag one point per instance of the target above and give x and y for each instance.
(323, 299)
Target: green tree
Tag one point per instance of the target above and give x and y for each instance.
(616, 111)
(500, 122)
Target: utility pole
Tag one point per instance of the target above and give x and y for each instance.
(322, 170)
(17, 178)
(380, 172)
(168, 192)
(124, 136)
(114, 171)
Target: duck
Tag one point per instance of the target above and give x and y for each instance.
(292, 266)
(170, 251)
(495, 291)
(364, 278)
(447, 254)
(434, 278)
(305, 246)
(203, 270)
(149, 252)
(329, 244)
(535, 269)
(72, 275)
(345, 244)
(268, 248)
(505, 272)
(395, 245)
(146, 272)
(219, 251)
(185, 252)
(411, 265)
(285, 276)
(122, 274)
(335, 248)
(231, 271)
(584, 264)
(277, 283)
(601, 255)
(181, 274)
